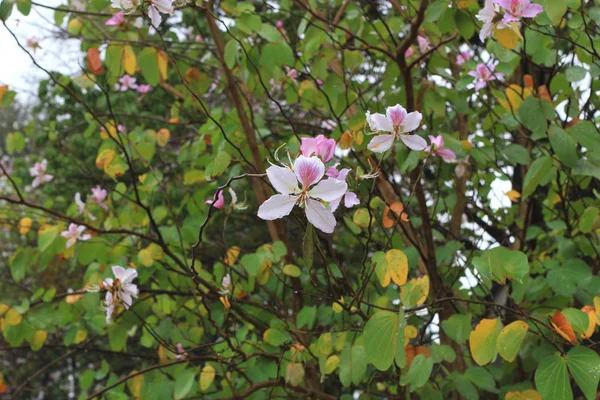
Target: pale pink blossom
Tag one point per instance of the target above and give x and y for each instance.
(99, 195)
(320, 146)
(181, 353)
(39, 173)
(218, 200)
(409, 52)
(491, 19)
(516, 9)
(81, 207)
(75, 233)
(159, 6)
(437, 148)
(464, 56)
(484, 74)
(127, 82)
(319, 82)
(279, 24)
(350, 198)
(143, 89)
(399, 123)
(116, 19)
(291, 73)
(127, 5)
(33, 43)
(198, 38)
(226, 285)
(424, 44)
(309, 172)
(121, 128)
(119, 290)
(328, 124)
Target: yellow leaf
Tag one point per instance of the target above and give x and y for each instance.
(410, 332)
(515, 95)
(482, 341)
(13, 318)
(80, 336)
(294, 374)
(135, 384)
(264, 272)
(232, 255)
(331, 364)
(105, 157)
(163, 61)
(525, 395)
(395, 268)
(38, 340)
(156, 251)
(507, 37)
(3, 309)
(225, 301)
(162, 137)
(466, 144)
(510, 339)
(145, 257)
(306, 85)
(338, 305)
(346, 140)
(415, 292)
(129, 60)
(465, 3)
(207, 376)
(591, 313)
(114, 169)
(3, 89)
(25, 225)
(596, 306)
(513, 195)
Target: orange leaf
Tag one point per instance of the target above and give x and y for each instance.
(544, 93)
(426, 351)
(464, 3)
(3, 89)
(563, 327)
(410, 354)
(528, 81)
(346, 140)
(94, 62)
(591, 313)
(3, 387)
(397, 208)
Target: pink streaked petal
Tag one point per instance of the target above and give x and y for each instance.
(396, 114)
(381, 123)
(447, 154)
(219, 202)
(329, 189)
(308, 146)
(414, 142)
(532, 10)
(381, 143)
(411, 122)
(86, 236)
(507, 4)
(479, 85)
(283, 179)
(351, 200)
(319, 216)
(116, 19)
(326, 149)
(278, 206)
(309, 170)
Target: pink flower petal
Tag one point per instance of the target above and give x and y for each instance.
(351, 200)
(447, 154)
(308, 170)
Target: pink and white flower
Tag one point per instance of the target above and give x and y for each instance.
(33, 43)
(399, 123)
(127, 82)
(159, 6)
(484, 74)
(424, 44)
(99, 195)
(409, 52)
(320, 146)
(218, 200)
(491, 19)
(81, 207)
(350, 198)
(437, 148)
(116, 19)
(39, 173)
(328, 124)
(119, 290)
(75, 233)
(516, 9)
(464, 56)
(308, 171)
(292, 73)
(143, 89)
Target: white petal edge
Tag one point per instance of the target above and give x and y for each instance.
(411, 122)
(414, 142)
(282, 179)
(382, 123)
(381, 143)
(278, 206)
(319, 216)
(329, 189)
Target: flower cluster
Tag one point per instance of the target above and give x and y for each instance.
(119, 290)
(155, 8)
(500, 14)
(97, 197)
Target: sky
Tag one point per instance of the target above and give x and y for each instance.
(16, 69)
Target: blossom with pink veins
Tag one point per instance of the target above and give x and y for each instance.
(516, 9)
(350, 198)
(399, 123)
(99, 195)
(320, 146)
(491, 19)
(116, 19)
(159, 6)
(464, 56)
(437, 148)
(218, 200)
(484, 74)
(75, 233)
(309, 172)
(39, 173)
(121, 289)
(424, 44)
(127, 82)
(143, 89)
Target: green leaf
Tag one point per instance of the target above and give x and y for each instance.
(555, 9)
(536, 173)
(381, 336)
(291, 270)
(584, 365)
(552, 380)
(220, 164)
(15, 142)
(270, 33)
(184, 383)
(481, 378)
(575, 73)
(353, 366)
(148, 61)
(231, 51)
(464, 23)
(517, 154)
(531, 115)
(586, 134)
(500, 263)
(563, 145)
(586, 168)
(588, 217)
(458, 327)
(24, 6)
(46, 238)
(510, 339)
(578, 319)
(276, 54)
(419, 372)
(464, 386)
(6, 9)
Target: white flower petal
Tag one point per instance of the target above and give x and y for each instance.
(329, 189)
(119, 272)
(283, 179)
(381, 123)
(278, 206)
(351, 200)
(381, 143)
(319, 216)
(129, 275)
(411, 122)
(414, 142)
